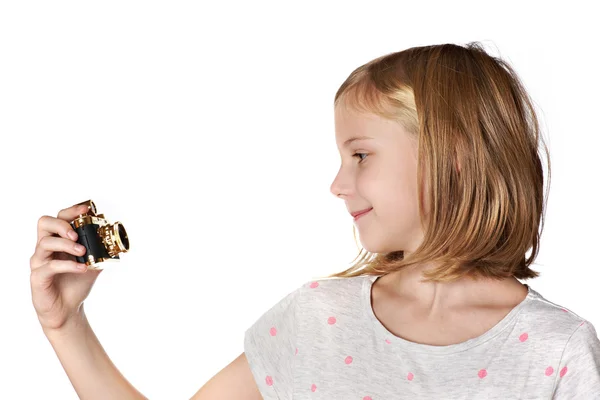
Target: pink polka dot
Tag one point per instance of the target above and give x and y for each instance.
(331, 320)
(387, 341)
(313, 387)
(314, 285)
(367, 398)
(269, 381)
(482, 373)
(523, 337)
(563, 372)
(563, 309)
(410, 376)
(296, 351)
(549, 371)
(273, 331)
(348, 360)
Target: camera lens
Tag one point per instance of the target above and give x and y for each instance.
(123, 237)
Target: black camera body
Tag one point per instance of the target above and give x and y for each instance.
(102, 240)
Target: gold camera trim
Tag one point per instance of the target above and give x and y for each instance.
(109, 233)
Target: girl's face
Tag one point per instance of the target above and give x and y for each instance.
(378, 172)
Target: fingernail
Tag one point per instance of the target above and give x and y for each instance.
(72, 235)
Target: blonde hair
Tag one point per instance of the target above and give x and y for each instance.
(467, 107)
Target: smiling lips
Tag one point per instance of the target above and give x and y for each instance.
(358, 214)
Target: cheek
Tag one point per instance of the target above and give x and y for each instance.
(398, 197)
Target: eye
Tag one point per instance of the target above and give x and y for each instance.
(360, 154)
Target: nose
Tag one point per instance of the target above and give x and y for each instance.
(341, 185)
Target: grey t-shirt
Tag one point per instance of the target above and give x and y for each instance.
(323, 341)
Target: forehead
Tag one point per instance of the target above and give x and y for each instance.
(353, 126)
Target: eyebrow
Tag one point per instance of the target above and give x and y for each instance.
(352, 139)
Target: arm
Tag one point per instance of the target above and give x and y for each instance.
(235, 381)
(94, 376)
(578, 373)
(90, 370)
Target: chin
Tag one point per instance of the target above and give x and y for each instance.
(375, 245)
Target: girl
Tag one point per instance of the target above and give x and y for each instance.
(441, 173)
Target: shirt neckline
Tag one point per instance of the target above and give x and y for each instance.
(390, 338)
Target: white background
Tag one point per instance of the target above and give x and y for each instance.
(207, 130)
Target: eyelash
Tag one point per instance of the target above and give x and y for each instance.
(360, 159)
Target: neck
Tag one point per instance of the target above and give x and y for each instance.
(461, 293)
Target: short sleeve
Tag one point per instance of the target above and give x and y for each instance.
(578, 375)
(270, 347)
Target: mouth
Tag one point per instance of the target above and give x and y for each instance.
(360, 213)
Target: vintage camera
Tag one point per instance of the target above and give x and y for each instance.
(103, 241)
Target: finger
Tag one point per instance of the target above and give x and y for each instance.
(69, 214)
(50, 226)
(42, 277)
(50, 244)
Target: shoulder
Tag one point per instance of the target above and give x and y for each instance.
(302, 307)
(314, 294)
(552, 317)
(333, 291)
(565, 333)
(573, 342)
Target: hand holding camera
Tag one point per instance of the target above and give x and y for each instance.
(67, 260)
